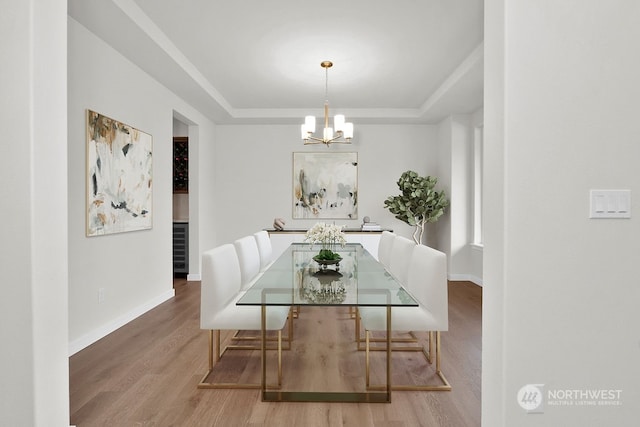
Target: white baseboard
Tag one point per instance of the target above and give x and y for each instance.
(193, 277)
(466, 278)
(93, 336)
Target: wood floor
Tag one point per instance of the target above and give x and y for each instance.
(145, 373)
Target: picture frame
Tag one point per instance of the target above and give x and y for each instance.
(119, 176)
(325, 185)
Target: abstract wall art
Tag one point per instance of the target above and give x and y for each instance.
(325, 185)
(119, 177)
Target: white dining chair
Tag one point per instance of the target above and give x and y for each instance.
(264, 248)
(249, 258)
(401, 258)
(248, 253)
(400, 250)
(428, 285)
(385, 246)
(220, 289)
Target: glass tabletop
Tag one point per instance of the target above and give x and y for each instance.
(295, 278)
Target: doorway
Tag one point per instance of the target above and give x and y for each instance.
(180, 227)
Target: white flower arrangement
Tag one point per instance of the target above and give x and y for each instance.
(328, 235)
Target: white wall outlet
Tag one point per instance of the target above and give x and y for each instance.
(101, 295)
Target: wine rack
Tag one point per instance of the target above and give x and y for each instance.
(180, 165)
(180, 247)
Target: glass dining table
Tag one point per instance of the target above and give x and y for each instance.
(296, 280)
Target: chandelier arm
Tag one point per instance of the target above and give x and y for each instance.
(336, 140)
(338, 136)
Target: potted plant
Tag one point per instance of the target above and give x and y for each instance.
(329, 236)
(418, 203)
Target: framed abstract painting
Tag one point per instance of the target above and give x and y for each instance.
(119, 177)
(325, 185)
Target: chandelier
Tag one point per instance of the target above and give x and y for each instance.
(343, 131)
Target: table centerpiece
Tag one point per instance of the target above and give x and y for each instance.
(329, 236)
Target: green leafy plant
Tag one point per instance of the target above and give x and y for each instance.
(328, 255)
(418, 203)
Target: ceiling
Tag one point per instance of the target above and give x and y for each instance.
(255, 61)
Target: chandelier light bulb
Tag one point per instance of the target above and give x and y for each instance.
(328, 133)
(310, 124)
(348, 131)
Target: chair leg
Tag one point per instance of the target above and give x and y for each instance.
(218, 353)
(366, 358)
(211, 350)
(434, 352)
(280, 358)
(356, 316)
(438, 355)
(202, 383)
(431, 348)
(290, 329)
(438, 352)
(357, 325)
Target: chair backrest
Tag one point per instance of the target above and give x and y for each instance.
(249, 258)
(428, 283)
(385, 247)
(264, 248)
(220, 281)
(401, 258)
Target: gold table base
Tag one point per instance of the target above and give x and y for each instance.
(325, 396)
(311, 396)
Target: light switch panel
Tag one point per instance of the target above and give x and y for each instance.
(610, 204)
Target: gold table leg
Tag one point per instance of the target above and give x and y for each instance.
(389, 353)
(263, 345)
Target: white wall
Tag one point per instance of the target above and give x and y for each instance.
(254, 173)
(453, 233)
(33, 252)
(474, 267)
(134, 269)
(180, 128)
(561, 290)
(439, 234)
(461, 196)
